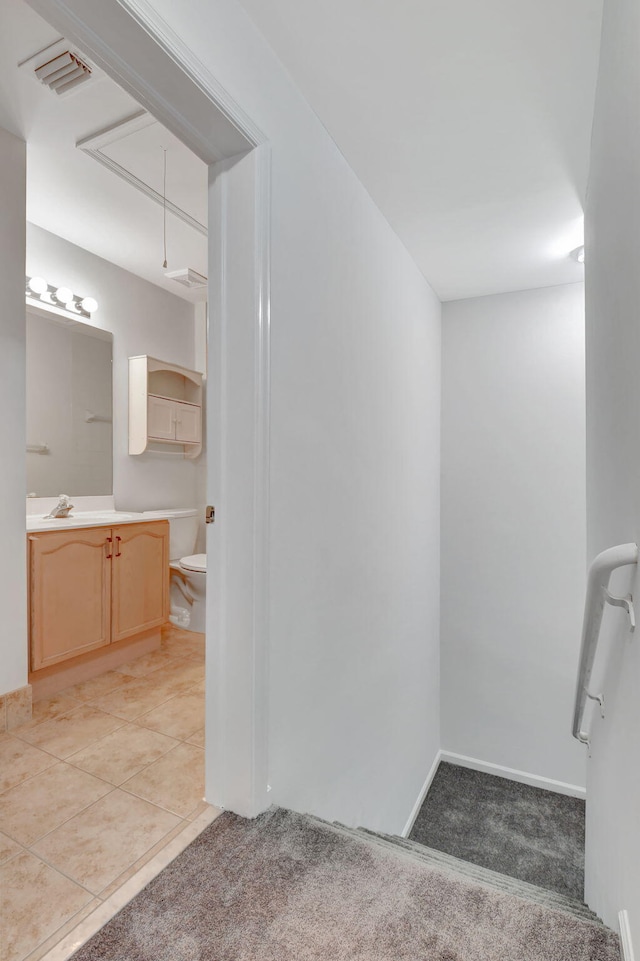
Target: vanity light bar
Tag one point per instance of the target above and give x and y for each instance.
(62, 298)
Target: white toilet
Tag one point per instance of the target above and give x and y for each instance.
(188, 570)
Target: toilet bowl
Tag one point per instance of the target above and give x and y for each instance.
(192, 570)
(188, 570)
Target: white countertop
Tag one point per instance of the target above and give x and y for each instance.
(86, 519)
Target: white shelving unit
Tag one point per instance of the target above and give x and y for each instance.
(165, 406)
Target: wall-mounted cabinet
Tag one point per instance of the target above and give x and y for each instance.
(165, 406)
(91, 587)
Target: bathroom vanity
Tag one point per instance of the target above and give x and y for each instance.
(98, 579)
(98, 594)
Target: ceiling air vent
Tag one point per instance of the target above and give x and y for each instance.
(187, 277)
(58, 67)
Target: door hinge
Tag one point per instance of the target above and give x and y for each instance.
(210, 514)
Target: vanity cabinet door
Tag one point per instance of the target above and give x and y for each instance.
(140, 578)
(70, 594)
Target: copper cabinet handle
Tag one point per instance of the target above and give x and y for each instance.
(118, 551)
(106, 547)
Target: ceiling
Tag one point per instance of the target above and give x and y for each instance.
(72, 193)
(468, 122)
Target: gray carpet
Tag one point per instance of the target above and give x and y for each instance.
(527, 833)
(287, 888)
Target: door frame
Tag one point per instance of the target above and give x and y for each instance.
(136, 48)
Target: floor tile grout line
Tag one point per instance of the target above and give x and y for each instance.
(53, 933)
(102, 710)
(133, 886)
(75, 881)
(183, 822)
(124, 722)
(144, 766)
(29, 777)
(32, 726)
(85, 704)
(84, 810)
(58, 870)
(133, 719)
(41, 837)
(183, 817)
(146, 856)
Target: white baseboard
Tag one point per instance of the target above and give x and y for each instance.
(423, 793)
(626, 947)
(535, 780)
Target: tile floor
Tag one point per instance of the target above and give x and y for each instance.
(105, 775)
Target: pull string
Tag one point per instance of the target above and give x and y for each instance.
(164, 207)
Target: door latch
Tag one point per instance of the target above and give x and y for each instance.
(210, 514)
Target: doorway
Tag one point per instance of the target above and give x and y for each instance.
(153, 66)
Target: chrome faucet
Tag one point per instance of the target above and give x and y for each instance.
(61, 509)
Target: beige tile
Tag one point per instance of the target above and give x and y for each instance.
(36, 901)
(96, 846)
(45, 801)
(184, 644)
(69, 733)
(179, 717)
(138, 696)
(97, 686)
(63, 931)
(127, 890)
(18, 707)
(19, 761)
(123, 753)
(8, 848)
(146, 664)
(182, 825)
(175, 782)
(200, 809)
(197, 658)
(197, 738)
(52, 707)
(179, 677)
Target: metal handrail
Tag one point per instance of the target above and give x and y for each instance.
(597, 596)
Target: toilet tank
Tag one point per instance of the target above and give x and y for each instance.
(183, 529)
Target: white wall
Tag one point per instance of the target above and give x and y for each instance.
(613, 464)
(513, 528)
(144, 319)
(13, 600)
(354, 592)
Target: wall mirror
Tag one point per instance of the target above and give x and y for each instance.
(69, 407)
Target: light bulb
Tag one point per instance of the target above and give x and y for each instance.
(38, 285)
(89, 304)
(578, 254)
(64, 295)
